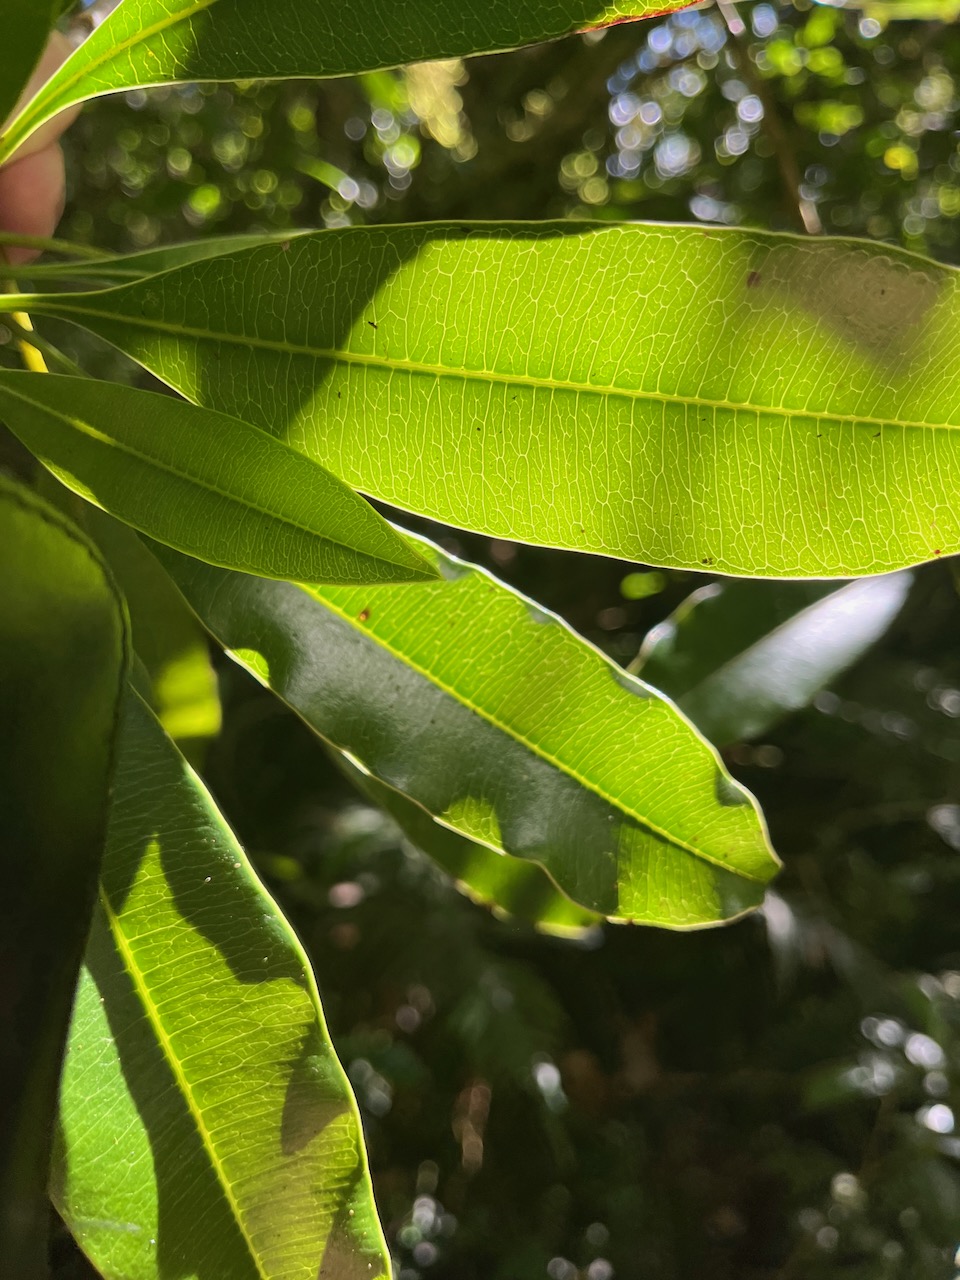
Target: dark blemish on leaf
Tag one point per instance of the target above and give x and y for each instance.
(707, 560)
(372, 324)
(339, 395)
(753, 279)
(876, 435)
(363, 615)
(938, 552)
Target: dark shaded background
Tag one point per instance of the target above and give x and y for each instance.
(771, 1101)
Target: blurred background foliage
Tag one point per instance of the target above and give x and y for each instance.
(772, 1101)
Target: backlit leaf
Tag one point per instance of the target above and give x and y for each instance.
(686, 396)
(503, 725)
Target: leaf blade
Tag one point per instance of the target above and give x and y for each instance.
(152, 42)
(494, 378)
(63, 652)
(500, 722)
(210, 485)
(215, 1063)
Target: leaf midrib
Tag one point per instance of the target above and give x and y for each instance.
(142, 987)
(397, 365)
(88, 430)
(524, 741)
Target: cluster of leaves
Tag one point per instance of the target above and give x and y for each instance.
(469, 1041)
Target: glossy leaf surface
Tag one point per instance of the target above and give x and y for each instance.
(512, 887)
(739, 656)
(622, 390)
(202, 482)
(208, 1131)
(152, 42)
(505, 726)
(62, 661)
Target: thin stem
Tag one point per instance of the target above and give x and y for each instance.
(46, 349)
(45, 244)
(772, 124)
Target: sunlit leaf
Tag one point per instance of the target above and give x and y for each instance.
(202, 482)
(152, 42)
(502, 724)
(688, 396)
(207, 1129)
(739, 656)
(62, 660)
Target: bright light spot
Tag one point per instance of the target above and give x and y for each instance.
(938, 1118)
(923, 1051)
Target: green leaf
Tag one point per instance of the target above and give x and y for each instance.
(506, 727)
(202, 482)
(686, 396)
(207, 1129)
(26, 26)
(153, 42)
(511, 887)
(135, 266)
(62, 660)
(166, 636)
(739, 656)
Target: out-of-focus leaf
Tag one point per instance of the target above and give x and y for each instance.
(512, 887)
(153, 42)
(202, 482)
(904, 10)
(508, 728)
(62, 660)
(166, 636)
(207, 1129)
(622, 390)
(739, 656)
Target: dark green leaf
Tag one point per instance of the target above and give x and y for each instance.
(62, 659)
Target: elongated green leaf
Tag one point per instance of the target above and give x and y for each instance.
(26, 26)
(512, 887)
(62, 659)
(739, 656)
(208, 1131)
(134, 266)
(505, 726)
(684, 396)
(202, 482)
(152, 42)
